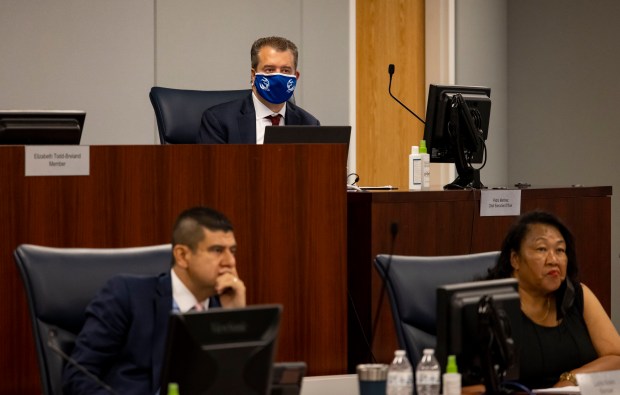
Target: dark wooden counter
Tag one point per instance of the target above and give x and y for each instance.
(449, 223)
(287, 203)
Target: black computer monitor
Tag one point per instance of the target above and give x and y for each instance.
(41, 127)
(457, 126)
(480, 323)
(221, 351)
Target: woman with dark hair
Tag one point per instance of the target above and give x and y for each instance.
(565, 330)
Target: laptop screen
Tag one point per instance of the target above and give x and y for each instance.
(41, 127)
(221, 351)
(295, 134)
(308, 134)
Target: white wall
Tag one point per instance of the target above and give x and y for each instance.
(104, 56)
(81, 55)
(481, 36)
(552, 66)
(563, 84)
(466, 44)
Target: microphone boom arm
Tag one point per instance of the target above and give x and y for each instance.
(391, 72)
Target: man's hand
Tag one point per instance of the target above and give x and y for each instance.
(230, 289)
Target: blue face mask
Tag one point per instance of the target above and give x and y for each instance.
(276, 88)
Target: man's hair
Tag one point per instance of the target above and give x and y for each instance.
(188, 228)
(278, 43)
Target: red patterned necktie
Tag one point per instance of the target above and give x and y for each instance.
(275, 119)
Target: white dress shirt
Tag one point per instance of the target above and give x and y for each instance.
(183, 298)
(262, 111)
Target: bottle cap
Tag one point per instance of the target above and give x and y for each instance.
(423, 147)
(399, 353)
(452, 368)
(173, 389)
(430, 351)
(415, 150)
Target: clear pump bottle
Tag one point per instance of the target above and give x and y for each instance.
(426, 165)
(452, 378)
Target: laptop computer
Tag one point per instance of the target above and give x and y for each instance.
(41, 127)
(296, 134)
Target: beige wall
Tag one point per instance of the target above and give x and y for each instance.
(103, 57)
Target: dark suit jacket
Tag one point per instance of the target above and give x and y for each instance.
(123, 339)
(235, 122)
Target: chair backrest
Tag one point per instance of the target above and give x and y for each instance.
(60, 283)
(179, 111)
(412, 282)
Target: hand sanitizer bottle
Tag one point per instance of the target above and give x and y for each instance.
(426, 165)
(452, 378)
(415, 169)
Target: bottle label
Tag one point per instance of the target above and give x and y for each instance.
(427, 377)
(400, 379)
(417, 171)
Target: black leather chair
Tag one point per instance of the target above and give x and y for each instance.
(411, 283)
(179, 111)
(59, 284)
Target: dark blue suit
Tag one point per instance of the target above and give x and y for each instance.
(235, 122)
(122, 341)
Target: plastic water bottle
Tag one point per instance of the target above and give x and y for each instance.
(428, 374)
(400, 375)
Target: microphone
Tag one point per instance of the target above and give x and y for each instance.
(391, 72)
(52, 343)
(393, 233)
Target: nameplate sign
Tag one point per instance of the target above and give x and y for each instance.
(57, 160)
(599, 383)
(500, 202)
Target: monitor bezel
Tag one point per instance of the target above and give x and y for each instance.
(457, 331)
(41, 127)
(440, 148)
(221, 349)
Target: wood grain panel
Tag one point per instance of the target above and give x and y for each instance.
(388, 32)
(287, 203)
(449, 223)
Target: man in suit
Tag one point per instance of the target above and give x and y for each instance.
(122, 341)
(274, 76)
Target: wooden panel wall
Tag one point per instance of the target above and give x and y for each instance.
(389, 31)
(287, 203)
(449, 223)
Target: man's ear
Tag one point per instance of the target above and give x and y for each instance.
(180, 253)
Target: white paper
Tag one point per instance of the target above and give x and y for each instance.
(599, 383)
(573, 390)
(57, 160)
(500, 202)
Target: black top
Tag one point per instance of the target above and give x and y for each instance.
(547, 352)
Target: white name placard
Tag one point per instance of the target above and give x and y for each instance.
(500, 202)
(57, 160)
(599, 383)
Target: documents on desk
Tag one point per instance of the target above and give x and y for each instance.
(571, 390)
(343, 384)
(598, 383)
